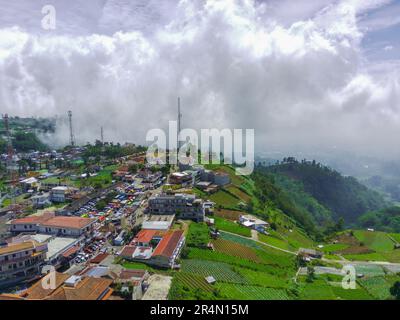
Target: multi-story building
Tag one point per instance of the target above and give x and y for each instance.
(21, 262)
(58, 194)
(184, 206)
(55, 225)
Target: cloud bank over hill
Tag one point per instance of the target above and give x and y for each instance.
(296, 74)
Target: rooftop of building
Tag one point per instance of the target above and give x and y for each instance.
(19, 246)
(68, 222)
(168, 244)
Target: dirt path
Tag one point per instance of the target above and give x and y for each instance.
(263, 243)
(254, 235)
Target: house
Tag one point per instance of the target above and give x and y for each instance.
(158, 222)
(58, 194)
(168, 249)
(253, 223)
(67, 287)
(29, 184)
(155, 248)
(182, 178)
(218, 178)
(56, 225)
(41, 200)
(136, 278)
(221, 178)
(21, 262)
(309, 253)
(59, 249)
(184, 206)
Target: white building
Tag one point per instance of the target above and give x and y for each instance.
(58, 194)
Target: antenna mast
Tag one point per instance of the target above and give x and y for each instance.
(102, 135)
(11, 166)
(71, 132)
(179, 124)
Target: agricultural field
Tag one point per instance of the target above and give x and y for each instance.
(193, 281)
(357, 294)
(317, 290)
(376, 241)
(370, 270)
(239, 193)
(378, 287)
(334, 247)
(231, 215)
(219, 270)
(247, 292)
(275, 279)
(236, 250)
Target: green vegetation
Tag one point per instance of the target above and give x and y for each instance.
(386, 219)
(27, 141)
(232, 227)
(224, 199)
(198, 235)
(343, 196)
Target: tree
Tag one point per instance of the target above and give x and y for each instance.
(395, 290)
(310, 274)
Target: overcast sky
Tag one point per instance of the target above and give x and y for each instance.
(305, 74)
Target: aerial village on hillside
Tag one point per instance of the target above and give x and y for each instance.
(76, 219)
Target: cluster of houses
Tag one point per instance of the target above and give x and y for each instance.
(41, 240)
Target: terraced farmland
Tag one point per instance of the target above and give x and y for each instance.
(370, 270)
(193, 281)
(236, 250)
(219, 270)
(378, 287)
(246, 292)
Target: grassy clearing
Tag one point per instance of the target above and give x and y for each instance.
(377, 241)
(317, 290)
(331, 248)
(224, 199)
(273, 241)
(229, 226)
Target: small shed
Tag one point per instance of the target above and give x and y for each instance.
(210, 280)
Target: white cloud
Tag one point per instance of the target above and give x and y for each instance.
(234, 64)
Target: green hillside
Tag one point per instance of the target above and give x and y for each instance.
(343, 196)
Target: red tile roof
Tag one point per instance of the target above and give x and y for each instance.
(129, 274)
(69, 252)
(168, 244)
(128, 251)
(34, 219)
(49, 220)
(68, 222)
(145, 236)
(99, 258)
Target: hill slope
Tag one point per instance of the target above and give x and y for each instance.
(342, 196)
